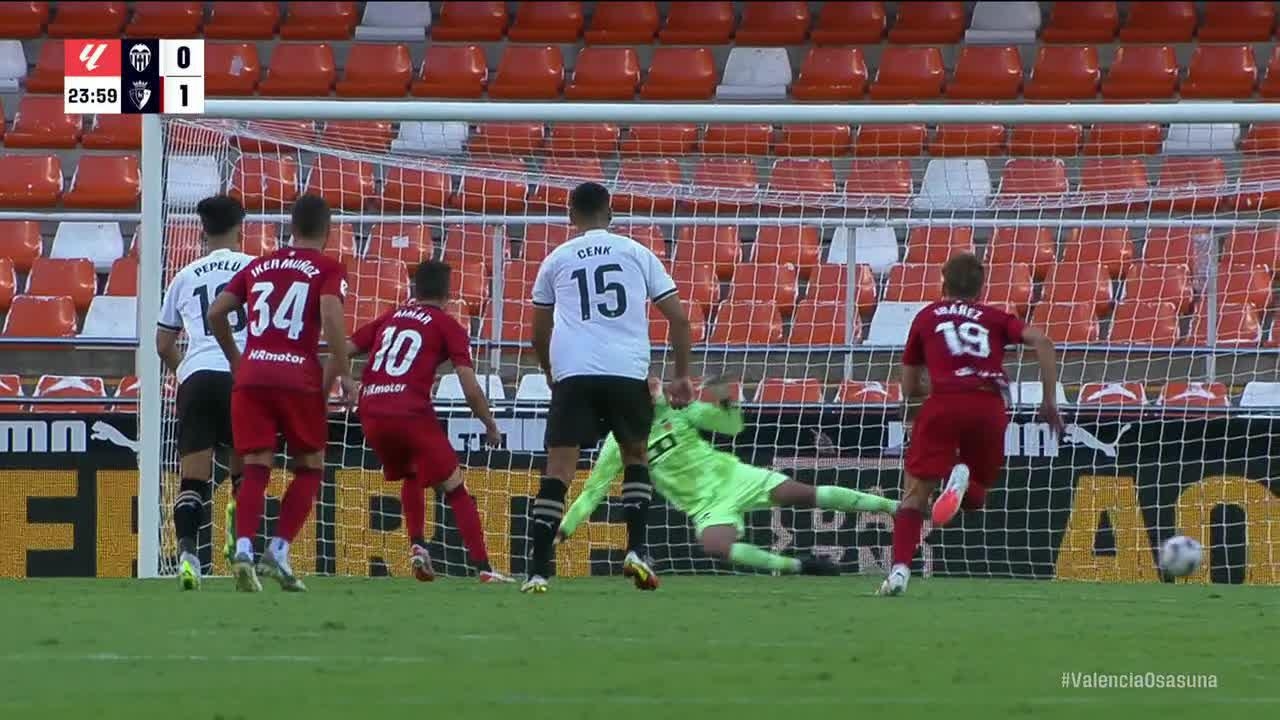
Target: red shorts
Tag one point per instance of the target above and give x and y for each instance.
(259, 415)
(412, 445)
(959, 428)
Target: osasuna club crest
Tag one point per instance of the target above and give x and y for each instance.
(140, 57)
(140, 93)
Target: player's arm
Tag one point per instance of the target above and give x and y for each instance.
(544, 306)
(663, 293)
(726, 419)
(913, 366)
(338, 368)
(220, 325)
(608, 466)
(167, 329)
(458, 345)
(1047, 358)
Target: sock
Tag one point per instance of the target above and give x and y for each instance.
(637, 492)
(752, 556)
(468, 518)
(298, 502)
(907, 523)
(413, 506)
(244, 546)
(280, 549)
(187, 511)
(833, 497)
(250, 501)
(548, 511)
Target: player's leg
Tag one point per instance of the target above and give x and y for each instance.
(254, 426)
(627, 406)
(305, 428)
(235, 472)
(570, 420)
(930, 457)
(467, 515)
(197, 436)
(981, 458)
(745, 488)
(790, 493)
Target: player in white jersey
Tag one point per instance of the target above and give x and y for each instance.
(591, 335)
(204, 377)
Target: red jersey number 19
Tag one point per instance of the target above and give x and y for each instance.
(288, 315)
(396, 351)
(968, 338)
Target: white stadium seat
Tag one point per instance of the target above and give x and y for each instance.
(1004, 23)
(755, 74)
(533, 387)
(13, 65)
(191, 178)
(1201, 138)
(891, 322)
(1031, 393)
(450, 389)
(1261, 394)
(954, 184)
(429, 137)
(111, 317)
(394, 22)
(101, 243)
(877, 247)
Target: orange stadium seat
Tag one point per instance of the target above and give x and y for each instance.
(243, 20)
(799, 245)
(789, 391)
(533, 72)
(831, 73)
(773, 23)
(830, 284)
(547, 22)
(1242, 247)
(968, 140)
(1120, 177)
(344, 183)
(660, 139)
(762, 282)
(985, 72)
(1110, 246)
(410, 243)
(1257, 173)
(1238, 324)
(540, 239)
(452, 71)
(376, 70)
(656, 171)
(1064, 72)
(23, 20)
(913, 283)
(73, 278)
(341, 244)
(30, 181)
(259, 238)
(623, 23)
(697, 283)
(88, 20)
(1033, 177)
(1155, 282)
(319, 21)
(366, 135)
(104, 182)
(909, 73)
(384, 279)
(253, 140)
(360, 311)
(802, 175)
(921, 23)
(890, 140)
(1009, 285)
(880, 182)
(1123, 139)
(1200, 183)
(1026, 245)
(264, 181)
(299, 69)
(1079, 282)
(46, 76)
(481, 191)
(1142, 72)
(650, 236)
(517, 322)
(1194, 394)
(1139, 322)
(697, 23)
(1270, 87)
(680, 73)
(1238, 22)
(471, 285)
(41, 123)
(936, 245)
(166, 19)
(231, 69)
(465, 244)
(11, 387)
(567, 172)
(8, 283)
(746, 323)
(1163, 21)
(728, 174)
(114, 132)
(658, 325)
(1050, 139)
(1221, 71)
(122, 281)
(822, 323)
(717, 245)
(471, 21)
(1122, 393)
(604, 73)
(814, 141)
(1082, 22)
(39, 316)
(518, 277)
(1066, 322)
(584, 139)
(507, 138)
(1244, 284)
(736, 139)
(412, 189)
(849, 23)
(855, 392)
(69, 387)
(1175, 246)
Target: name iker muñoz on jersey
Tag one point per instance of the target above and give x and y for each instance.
(187, 301)
(600, 284)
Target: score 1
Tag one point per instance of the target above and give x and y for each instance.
(182, 72)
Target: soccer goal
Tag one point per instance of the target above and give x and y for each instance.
(1143, 238)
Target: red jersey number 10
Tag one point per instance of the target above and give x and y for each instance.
(967, 338)
(396, 351)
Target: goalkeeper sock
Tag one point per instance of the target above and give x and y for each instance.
(469, 527)
(752, 556)
(413, 505)
(548, 511)
(298, 500)
(833, 497)
(192, 495)
(907, 523)
(637, 492)
(249, 504)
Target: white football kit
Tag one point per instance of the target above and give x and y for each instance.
(187, 302)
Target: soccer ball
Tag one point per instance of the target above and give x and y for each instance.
(1180, 556)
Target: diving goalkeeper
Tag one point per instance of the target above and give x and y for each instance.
(714, 488)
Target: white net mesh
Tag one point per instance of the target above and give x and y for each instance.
(1147, 252)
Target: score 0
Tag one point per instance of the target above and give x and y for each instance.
(182, 71)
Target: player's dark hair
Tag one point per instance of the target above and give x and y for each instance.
(589, 206)
(311, 220)
(431, 280)
(962, 277)
(220, 214)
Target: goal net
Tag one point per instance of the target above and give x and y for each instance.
(1147, 251)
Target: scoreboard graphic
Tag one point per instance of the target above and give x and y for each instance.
(133, 76)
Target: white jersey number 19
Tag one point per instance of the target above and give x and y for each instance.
(969, 338)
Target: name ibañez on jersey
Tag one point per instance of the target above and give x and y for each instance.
(186, 305)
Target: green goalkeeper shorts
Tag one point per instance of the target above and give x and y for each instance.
(743, 488)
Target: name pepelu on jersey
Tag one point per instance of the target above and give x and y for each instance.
(187, 301)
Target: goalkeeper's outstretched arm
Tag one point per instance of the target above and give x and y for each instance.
(608, 466)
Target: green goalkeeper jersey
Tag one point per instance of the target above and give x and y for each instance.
(684, 467)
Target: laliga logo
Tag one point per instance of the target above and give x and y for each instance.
(91, 54)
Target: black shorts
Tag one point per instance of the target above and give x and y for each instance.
(585, 408)
(204, 411)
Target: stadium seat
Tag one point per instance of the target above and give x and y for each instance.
(383, 279)
(1064, 72)
(789, 391)
(436, 138)
(1176, 246)
(763, 282)
(71, 277)
(97, 242)
(890, 140)
(968, 140)
(114, 132)
(88, 20)
(411, 189)
(547, 22)
(986, 73)
(920, 23)
(1257, 173)
(1122, 393)
(909, 73)
(111, 317)
(264, 181)
(746, 323)
(1028, 394)
(1221, 72)
(466, 244)
(231, 69)
(1194, 394)
(507, 138)
(518, 277)
(706, 22)
(584, 139)
(891, 322)
(46, 76)
(1237, 22)
(731, 182)
(341, 244)
(533, 388)
(517, 321)
(410, 243)
(450, 388)
(1003, 23)
(798, 245)
(104, 182)
(23, 20)
(1237, 324)
(1162, 21)
(1046, 140)
(773, 24)
(1025, 245)
(656, 171)
(452, 71)
(13, 65)
(394, 22)
(1200, 138)
(755, 74)
(660, 139)
(1155, 282)
(165, 19)
(1115, 178)
(936, 245)
(540, 239)
(39, 316)
(1082, 22)
(913, 283)
(680, 73)
(717, 245)
(41, 123)
(623, 23)
(319, 21)
(1079, 282)
(659, 327)
(300, 69)
(854, 392)
(1258, 393)
(243, 20)
(1033, 179)
(830, 283)
(362, 135)
(69, 387)
(831, 73)
(1248, 247)
(1066, 322)
(802, 175)
(1009, 285)
(1110, 246)
(1199, 183)
(849, 23)
(954, 184)
(534, 72)
(122, 281)
(30, 181)
(604, 73)
(1142, 72)
(1106, 139)
(376, 70)
(565, 173)
(697, 283)
(822, 323)
(1270, 87)
(259, 238)
(736, 139)
(1244, 284)
(650, 236)
(11, 387)
(8, 283)
(470, 21)
(482, 190)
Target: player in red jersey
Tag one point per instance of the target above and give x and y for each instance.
(960, 428)
(408, 345)
(292, 296)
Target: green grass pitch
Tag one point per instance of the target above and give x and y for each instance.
(711, 647)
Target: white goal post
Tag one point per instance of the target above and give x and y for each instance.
(1144, 235)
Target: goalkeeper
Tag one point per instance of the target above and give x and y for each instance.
(713, 487)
